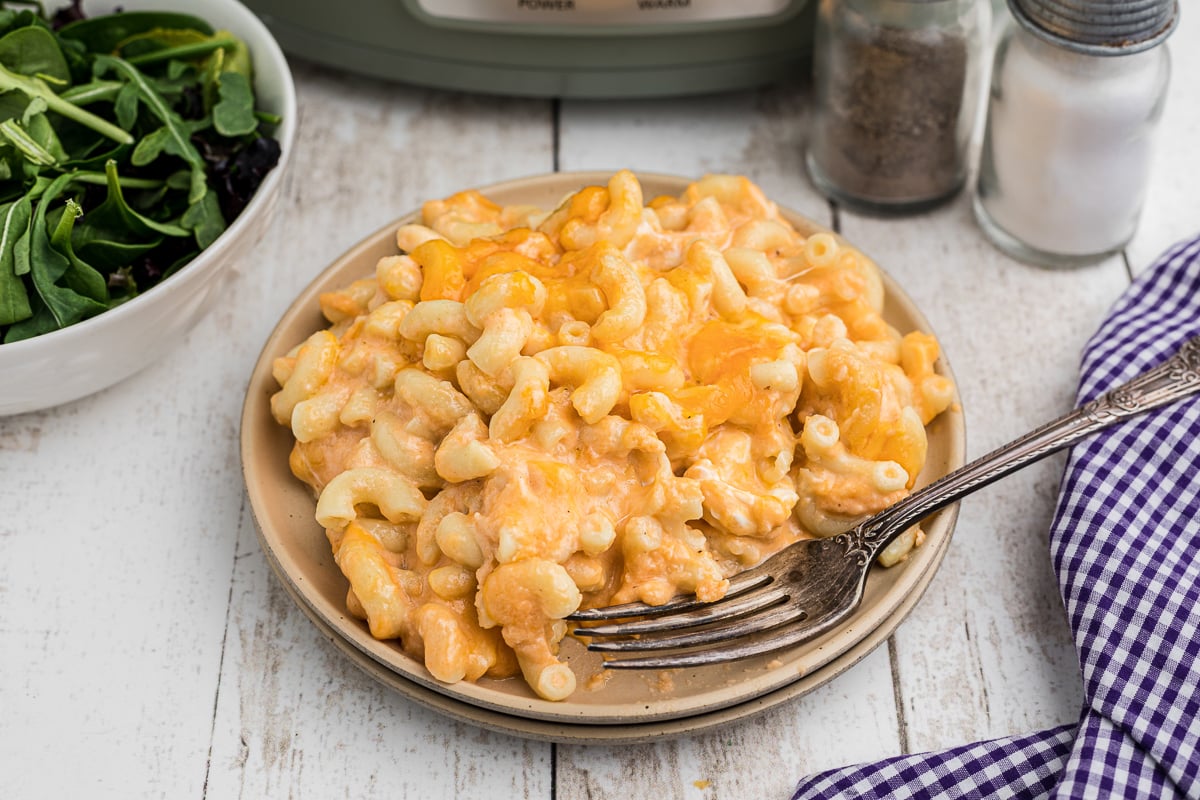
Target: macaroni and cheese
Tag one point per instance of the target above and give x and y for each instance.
(526, 412)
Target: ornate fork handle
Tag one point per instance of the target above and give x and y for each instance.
(1175, 379)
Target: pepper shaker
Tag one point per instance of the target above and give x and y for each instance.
(896, 84)
(1077, 92)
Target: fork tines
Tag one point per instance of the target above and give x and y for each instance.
(776, 634)
(755, 604)
(738, 585)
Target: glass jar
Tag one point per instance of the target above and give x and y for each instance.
(1068, 140)
(897, 85)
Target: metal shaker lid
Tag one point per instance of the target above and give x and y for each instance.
(1099, 27)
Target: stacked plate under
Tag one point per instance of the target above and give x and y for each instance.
(610, 706)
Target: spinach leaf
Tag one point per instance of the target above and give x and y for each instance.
(80, 276)
(49, 266)
(14, 300)
(12, 104)
(42, 321)
(105, 34)
(90, 153)
(21, 257)
(162, 45)
(41, 130)
(34, 51)
(154, 45)
(132, 221)
(114, 235)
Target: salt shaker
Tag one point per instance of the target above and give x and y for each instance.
(1075, 99)
(897, 84)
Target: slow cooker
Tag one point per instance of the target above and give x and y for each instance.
(553, 48)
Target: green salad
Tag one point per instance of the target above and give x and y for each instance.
(128, 142)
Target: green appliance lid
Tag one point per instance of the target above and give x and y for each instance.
(553, 48)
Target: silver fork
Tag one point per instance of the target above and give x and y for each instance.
(814, 585)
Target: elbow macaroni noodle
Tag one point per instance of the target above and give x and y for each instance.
(523, 413)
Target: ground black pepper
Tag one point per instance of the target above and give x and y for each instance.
(888, 129)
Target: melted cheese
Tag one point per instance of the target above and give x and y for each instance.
(687, 467)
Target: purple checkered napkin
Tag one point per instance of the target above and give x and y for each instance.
(1126, 546)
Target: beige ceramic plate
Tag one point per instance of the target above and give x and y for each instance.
(299, 552)
(630, 732)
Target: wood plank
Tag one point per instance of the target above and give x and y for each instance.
(123, 510)
(295, 717)
(292, 711)
(850, 719)
(118, 529)
(987, 652)
(758, 134)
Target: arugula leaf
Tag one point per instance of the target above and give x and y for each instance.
(205, 220)
(92, 92)
(150, 147)
(101, 179)
(179, 180)
(178, 140)
(35, 87)
(233, 115)
(36, 105)
(125, 107)
(20, 139)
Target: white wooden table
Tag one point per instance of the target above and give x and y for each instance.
(147, 651)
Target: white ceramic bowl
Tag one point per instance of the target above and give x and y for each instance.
(68, 364)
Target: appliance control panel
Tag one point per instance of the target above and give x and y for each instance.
(627, 14)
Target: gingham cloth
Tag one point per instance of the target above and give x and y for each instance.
(1126, 546)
